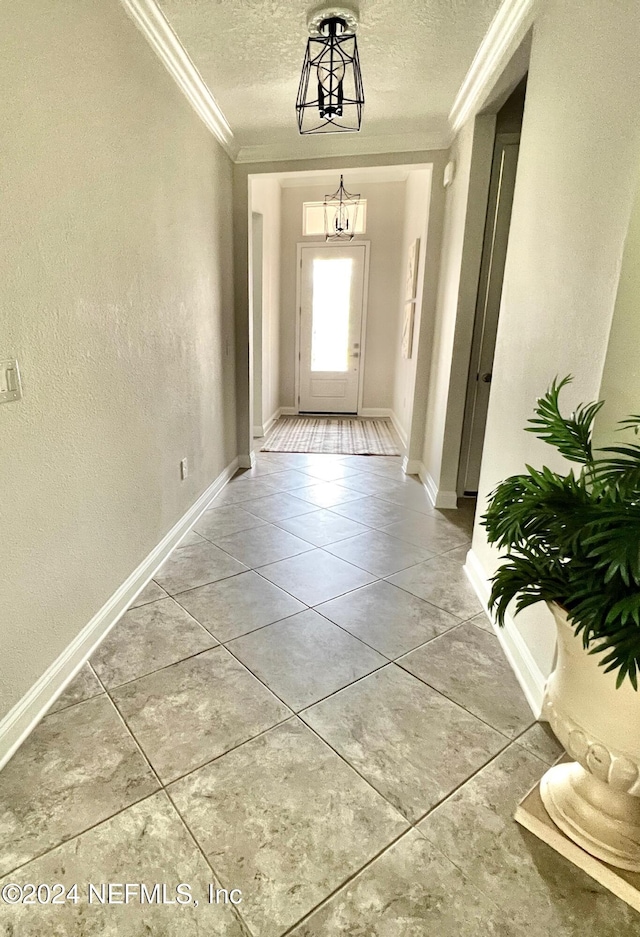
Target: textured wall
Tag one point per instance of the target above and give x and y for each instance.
(620, 387)
(265, 199)
(446, 312)
(577, 175)
(116, 296)
(415, 220)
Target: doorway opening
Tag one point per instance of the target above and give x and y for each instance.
(326, 337)
(494, 253)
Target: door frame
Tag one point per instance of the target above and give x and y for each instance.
(506, 138)
(363, 323)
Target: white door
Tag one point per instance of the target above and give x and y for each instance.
(332, 289)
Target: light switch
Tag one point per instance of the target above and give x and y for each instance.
(10, 386)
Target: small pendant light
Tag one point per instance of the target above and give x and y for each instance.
(340, 214)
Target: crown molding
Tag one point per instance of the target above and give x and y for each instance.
(336, 144)
(155, 27)
(506, 32)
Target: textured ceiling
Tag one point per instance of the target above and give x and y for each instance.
(414, 55)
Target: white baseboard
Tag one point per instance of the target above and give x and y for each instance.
(247, 461)
(399, 429)
(272, 419)
(442, 500)
(288, 411)
(411, 466)
(375, 412)
(26, 714)
(260, 431)
(529, 675)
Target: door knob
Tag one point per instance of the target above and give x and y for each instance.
(486, 377)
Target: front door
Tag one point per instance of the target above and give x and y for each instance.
(332, 288)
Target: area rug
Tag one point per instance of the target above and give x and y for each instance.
(342, 435)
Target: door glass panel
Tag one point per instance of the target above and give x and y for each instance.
(330, 314)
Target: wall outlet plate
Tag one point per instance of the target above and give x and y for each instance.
(10, 384)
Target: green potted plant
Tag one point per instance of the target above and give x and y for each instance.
(573, 541)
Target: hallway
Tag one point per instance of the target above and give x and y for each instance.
(308, 704)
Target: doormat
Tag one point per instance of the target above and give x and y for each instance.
(344, 436)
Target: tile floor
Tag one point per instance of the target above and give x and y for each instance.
(308, 705)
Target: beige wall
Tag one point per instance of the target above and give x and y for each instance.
(620, 387)
(415, 219)
(385, 214)
(576, 180)
(265, 199)
(116, 297)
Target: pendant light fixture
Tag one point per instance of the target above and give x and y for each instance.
(340, 214)
(330, 96)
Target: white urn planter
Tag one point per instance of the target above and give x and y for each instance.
(594, 800)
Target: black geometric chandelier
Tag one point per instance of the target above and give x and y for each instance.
(340, 214)
(330, 96)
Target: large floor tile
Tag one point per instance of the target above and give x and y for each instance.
(372, 512)
(387, 470)
(261, 469)
(431, 531)
(316, 576)
(190, 539)
(540, 740)
(238, 605)
(305, 658)
(411, 495)
(187, 714)
(327, 494)
(333, 471)
(442, 581)
(463, 516)
(146, 639)
(407, 740)
(468, 666)
(389, 619)
(541, 891)
(266, 544)
(368, 483)
(84, 685)
(289, 480)
(368, 463)
(483, 621)
(195, 566)
(151, 593)
(78, 767)
(287, 821)
(145, 844)
(242, 489)
(378, 553)
(278, 506)
(411, 890)
(283, 460)
(322, 527)
(222, 521)
(312, 459)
